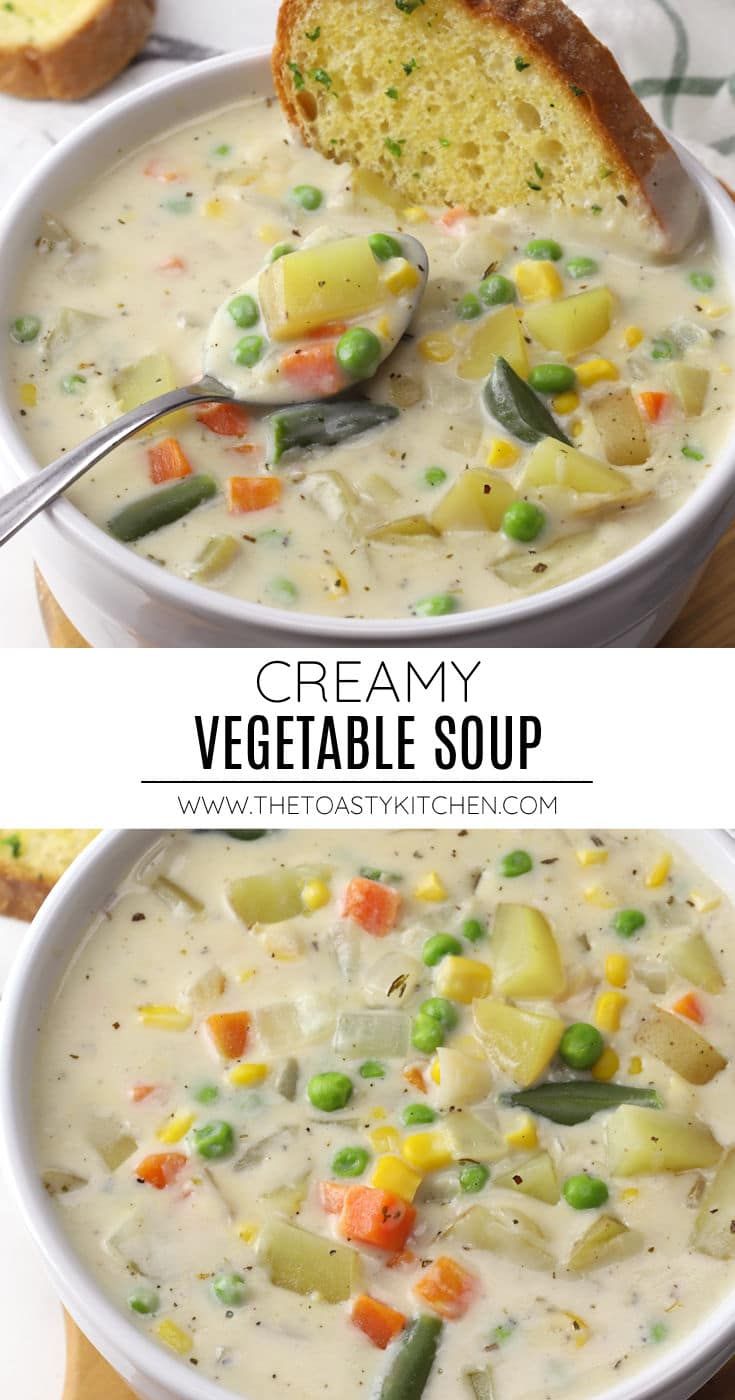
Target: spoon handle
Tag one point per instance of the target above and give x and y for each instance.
(20, 505)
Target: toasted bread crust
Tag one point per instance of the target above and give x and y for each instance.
(83, 61)
(22, 897)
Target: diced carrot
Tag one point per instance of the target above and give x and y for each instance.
(247, 449)
(229, 1031)
(690, 1006)
(172, 264)
(332, 1196)
(378, 1321)
(252, 493)
(167, 461)
(313, 368)
(159, 169)
(227, 419)
(653, 403)
(373, 906)
(331, 329)
(447, 1287)
(161, 1168)
(376, 1217)
(397, 1261)
(453, 216)
(413, 1076)
(138, 1092)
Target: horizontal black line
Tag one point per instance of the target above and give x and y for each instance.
(369, 782)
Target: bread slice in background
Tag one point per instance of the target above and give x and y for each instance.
(486, 104)
(31, 861)
(68, 48)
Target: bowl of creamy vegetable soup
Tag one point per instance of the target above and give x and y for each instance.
(402, 1114)
(546, 458)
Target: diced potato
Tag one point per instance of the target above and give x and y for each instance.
(574, 323)
(70, 325)
(306, 1263)
(463, 1079)
(552, 463)
(504, 1231)
(366, 182)
(548, 565)
(405, 529)
(146, 379)
(205, 988)
(478, 500)
(534, 1177)
(679, 1046)
(113, 1142)
(607, 1241)
(285, 1026)
(332, 281)
(714, 1228)
(288, 1200)
(498, 334)
(269, 899)
(59, 1182)
(624, 437)
(215, 556)
(474, 1137)
(520, 1043)
(645, 1140)
(526, 957)
(694, 960)
(691, 384)
(380, 490)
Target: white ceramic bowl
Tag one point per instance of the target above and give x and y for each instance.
(674, 1374)
(117, 598)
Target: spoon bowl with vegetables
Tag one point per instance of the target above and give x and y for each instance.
(308, 327)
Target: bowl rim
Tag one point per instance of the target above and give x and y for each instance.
(713, 498)
(692, 1360)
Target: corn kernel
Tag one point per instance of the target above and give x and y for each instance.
(630, 1193)
(243, 1076)
(617, 968)
(378, 1113)
(213, 208)
(725, 369)
(609, 1009)
(607, 1066)
(537, 281)
(385, 1139)
(248, 1231)
(435, 1070)
(591, 855)
(633, 335)
(502, 453)
(581, 1330)
(391, 1174)
(270, 233)
(635, 1065)
(462, 979)
(427, 1152)
(565, 403)
(592, 371)
(315, 894)
(245, 974)
(164, 1018)
(659, 871)
(525, 1134)
(174, 1336)
(704, 903)
(414, 214)
(595, 894)
(402, 278)
(383, 328)
(576, 428)
(436, 347)
(430, 888)
(174, 1128)
(28, 395)
(713, 309)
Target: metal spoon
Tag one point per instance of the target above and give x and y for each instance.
(23, 502)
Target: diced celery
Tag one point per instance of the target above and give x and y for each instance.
(474, 1137)
(549, 565)
(288, 1025)
(306, 1263)
(59, 1182)
(175, 896)
(694, 960)
(504, 1231)
(534, 1177)
(402, 531)
(372, 1034)
(219, 552)
(607, 1241)
(392, 980)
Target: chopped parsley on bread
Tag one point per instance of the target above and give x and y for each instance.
(483, 104)
(31, 861)
(68, 48)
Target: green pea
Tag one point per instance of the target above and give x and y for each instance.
(441, 1010)
(702, 281)
(230, 1289)
(523, 521)
(585, 1192)
(662, 349)
(282, 591)
(552, 379)
(308, 196)
(515, 863)
(281, 250)
(144, 1301)
(350, 1161)
(469, 307)
(628, 921)
(496, 290)
(222, 150)
(384, 246)
(472, 1177)
(329, 1091)
(582, 267)
(473, 930)
(215, 1139)
(415, 1113)
(658, 1332)
(434, 476)
(581, 1045)
(358, 352)
(244, 310)
(435, 605)
(438, 946)
(545, 249)
(205, 1093)
(693, 453)
(248, 350)
(177, 206)
(71, 382)
(24, 328)
(372, 1069)
(427, 1034)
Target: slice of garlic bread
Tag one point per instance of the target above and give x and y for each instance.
(68, 48)
(485, 104)
(31, 861)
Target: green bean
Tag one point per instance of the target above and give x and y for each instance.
(411, 1366)
(575, 1101)
(161, 508)
(517, 408)
(325, 424)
